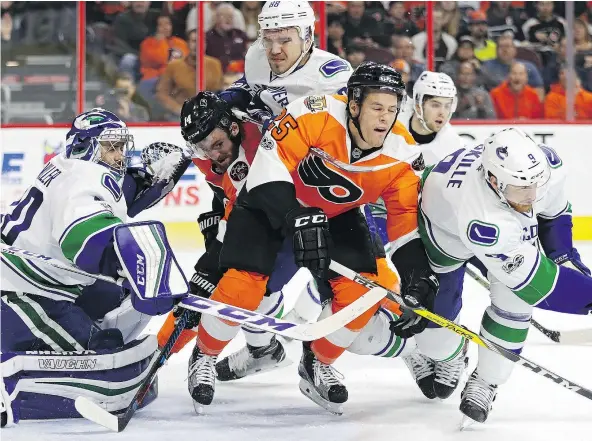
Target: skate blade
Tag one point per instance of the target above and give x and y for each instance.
(287, 361)
(466, 423)
(199, 408)
(309, 391)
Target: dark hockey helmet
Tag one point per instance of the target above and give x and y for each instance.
(378, 77)
(201, 114)
(370, 75)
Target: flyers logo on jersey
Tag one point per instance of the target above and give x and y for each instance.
(331, 185)
(315, 103)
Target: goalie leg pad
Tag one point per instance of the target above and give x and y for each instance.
(44, 384)
(150, 266)
(31, 322)
(127, 319)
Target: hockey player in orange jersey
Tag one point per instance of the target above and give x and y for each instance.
(292, 193)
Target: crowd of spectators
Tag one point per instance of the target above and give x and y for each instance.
(508, 59)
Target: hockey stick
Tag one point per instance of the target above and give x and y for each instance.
(445, 323)
(352, 168)
(583, 336)
(95, 413)
(303, 332)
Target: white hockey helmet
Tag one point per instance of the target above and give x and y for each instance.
(433, 84)
(519, 165)
(289, 14)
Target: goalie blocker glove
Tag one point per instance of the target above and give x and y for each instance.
(311, 239)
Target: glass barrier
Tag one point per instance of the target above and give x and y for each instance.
(141, 58)
(39, 62)
(509, 60)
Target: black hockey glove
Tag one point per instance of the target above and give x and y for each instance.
(420, 293)
(311, 239)
(203, 284)
(208, 225)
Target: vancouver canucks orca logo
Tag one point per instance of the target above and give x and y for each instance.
(502, 152)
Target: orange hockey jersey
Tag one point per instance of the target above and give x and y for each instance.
(321, 122)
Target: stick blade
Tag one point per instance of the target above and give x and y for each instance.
(95, 413)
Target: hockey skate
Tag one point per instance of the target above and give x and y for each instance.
(202, 378)
(320, 384)
(422, 369)
(251, 360)
(476, 400)
(448, 373)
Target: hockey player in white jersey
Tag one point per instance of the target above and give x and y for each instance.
(52, 350)
(283, 63)
(495, 202)
(428, 119)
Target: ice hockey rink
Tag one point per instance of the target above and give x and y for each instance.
(384, 402)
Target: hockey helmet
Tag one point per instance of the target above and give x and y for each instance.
(200, 115)
(435, 84)
(519, 165)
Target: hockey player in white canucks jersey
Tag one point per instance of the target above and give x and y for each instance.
(503, 202)
(283, 63)
(428, 118)
(70, 213)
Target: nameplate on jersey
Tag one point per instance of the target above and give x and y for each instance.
(483, 233)
(333, 67)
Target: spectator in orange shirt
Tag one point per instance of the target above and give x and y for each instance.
(156, 51)
(514, 98)
(556, 101)
(178, 82)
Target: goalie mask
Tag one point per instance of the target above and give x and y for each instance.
(100, 136)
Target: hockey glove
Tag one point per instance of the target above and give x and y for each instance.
(571, 260)
(310, 239)
(202, 283)
(208, 225)
(259, 111)
(420, 293)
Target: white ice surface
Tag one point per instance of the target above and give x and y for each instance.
(384, 403)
